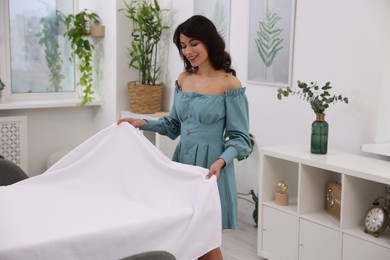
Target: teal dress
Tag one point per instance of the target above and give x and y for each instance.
(201, 121)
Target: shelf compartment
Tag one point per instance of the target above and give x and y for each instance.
(359, 195)
(312, 194)
(276, 170)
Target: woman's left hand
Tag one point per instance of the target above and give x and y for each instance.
(215, 168)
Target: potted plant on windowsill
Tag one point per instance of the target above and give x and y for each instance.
(2, 86)
(78, 30)
(147, 20)
(319, 99)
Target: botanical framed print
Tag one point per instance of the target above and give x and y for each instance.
(270, 50)
(218, 11)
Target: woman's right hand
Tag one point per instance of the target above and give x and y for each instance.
(136, 122)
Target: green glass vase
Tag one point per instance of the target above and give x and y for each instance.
(319, 135)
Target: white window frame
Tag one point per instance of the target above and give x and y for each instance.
(28, 100)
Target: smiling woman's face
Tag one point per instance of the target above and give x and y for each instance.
(193, 50)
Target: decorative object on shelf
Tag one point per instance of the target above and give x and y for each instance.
(333, 199)
(319, 99)
(77, 31)
(319, 135)
(281, 195)
(2, 86)
(377, 217)
(147, 20)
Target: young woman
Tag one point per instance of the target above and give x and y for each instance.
(209, 112)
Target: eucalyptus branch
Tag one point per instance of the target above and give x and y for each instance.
(318, 97)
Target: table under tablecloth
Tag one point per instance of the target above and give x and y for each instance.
(113, 196)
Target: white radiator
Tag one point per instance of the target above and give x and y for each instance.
(13, 140)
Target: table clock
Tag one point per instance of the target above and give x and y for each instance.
(333, 199)
(376, 218)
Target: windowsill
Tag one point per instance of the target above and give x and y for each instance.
(46, 103)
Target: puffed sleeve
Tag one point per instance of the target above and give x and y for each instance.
(168, 125)
(238, 144)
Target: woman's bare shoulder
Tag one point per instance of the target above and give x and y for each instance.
(232, 82)
(182, 77)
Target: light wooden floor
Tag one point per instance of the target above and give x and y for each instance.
(240, 244)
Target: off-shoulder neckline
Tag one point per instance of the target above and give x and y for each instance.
(227, 92)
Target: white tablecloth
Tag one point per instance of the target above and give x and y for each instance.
(113, 196)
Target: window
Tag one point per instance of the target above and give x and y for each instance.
(34, 54)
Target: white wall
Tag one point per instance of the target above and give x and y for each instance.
(383, 124)
(341, 42)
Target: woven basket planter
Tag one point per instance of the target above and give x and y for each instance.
(145, 99)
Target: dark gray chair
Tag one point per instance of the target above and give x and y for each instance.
(10, 173)
(152, 255)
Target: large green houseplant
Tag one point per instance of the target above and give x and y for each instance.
(77, 31)
(319, 99)
(148, 25)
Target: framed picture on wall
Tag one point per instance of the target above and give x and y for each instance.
(270, 50)
(218, 11)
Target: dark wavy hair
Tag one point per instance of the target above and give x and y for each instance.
(202, 29)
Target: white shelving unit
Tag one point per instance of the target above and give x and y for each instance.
(304, 230)
(164, 143)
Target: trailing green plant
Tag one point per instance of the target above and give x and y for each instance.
(318, 97)
(268, 42)
(148, 25)
(49, 39)
(255, 201)
(82, 48)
